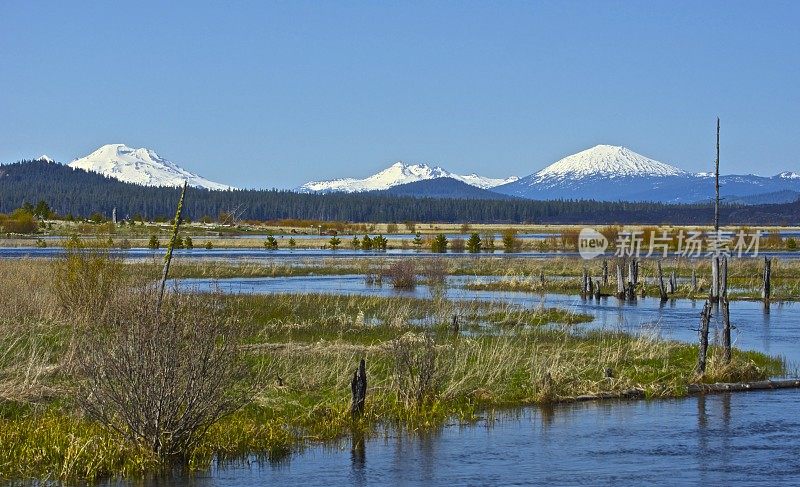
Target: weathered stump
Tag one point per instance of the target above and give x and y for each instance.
(726, 330)
(620, 283)
(767, 281)
(662, 290)
(358, 388)
(705, 319)
(605, 272)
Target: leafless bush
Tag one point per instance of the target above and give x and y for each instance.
(402, 274)
(457, 245)
(162, 378)
(414, 374)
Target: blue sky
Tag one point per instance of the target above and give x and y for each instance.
(271, 94)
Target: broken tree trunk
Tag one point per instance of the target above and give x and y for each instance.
(705, 319)
(661, 289)
(597, 289)
(358, 388)
(715, 279)
(726, 330)
(694, 280)
(767, 286)
(723, 279)
(605, 272)
(620, 283)
(673, 283)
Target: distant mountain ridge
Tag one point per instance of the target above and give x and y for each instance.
(614, 173)
(442, 188)
(397, 174)
(140, 166)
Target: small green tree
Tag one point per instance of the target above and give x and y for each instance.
(270, 243)
(178, 242)
(334, 242)
(292, 243)
(42, 210)
(439, 244)
(417, 241)
(791, 244)
(153, 244)
(188, 243)
(355, 243)
(474, 244)
(209, 245)
(366, 243)
(510, 241)
(380, 243)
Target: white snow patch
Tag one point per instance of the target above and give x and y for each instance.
(400, 173)
(141, 166)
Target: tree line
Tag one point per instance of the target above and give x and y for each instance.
(75, 192)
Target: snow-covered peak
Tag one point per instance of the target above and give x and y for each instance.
(140, 166)
(396, 174)
(789, 175)
(45, 158)
(607, 161)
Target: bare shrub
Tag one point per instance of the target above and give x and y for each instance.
(161, 379)
(414, 372)
(457, 245)
(402, 274)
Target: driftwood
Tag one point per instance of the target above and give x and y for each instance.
(743, 386)
(358, 388)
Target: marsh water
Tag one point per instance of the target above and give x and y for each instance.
(734, 439)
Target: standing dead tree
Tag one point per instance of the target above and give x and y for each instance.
(705, 319)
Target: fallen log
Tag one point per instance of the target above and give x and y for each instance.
(761, 385)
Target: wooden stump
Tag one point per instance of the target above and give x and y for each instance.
(726, 330)
(358, 388)
(662, 290)
(767, 281)
(705, 319)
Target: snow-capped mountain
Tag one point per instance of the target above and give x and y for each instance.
(140, 166)
(612, 173)
(45, 158)
(397, 174)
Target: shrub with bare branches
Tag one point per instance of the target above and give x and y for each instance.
(402, 274)
(162, 378)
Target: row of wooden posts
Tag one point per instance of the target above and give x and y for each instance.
(626, 285)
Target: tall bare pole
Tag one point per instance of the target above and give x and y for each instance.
(716, 185)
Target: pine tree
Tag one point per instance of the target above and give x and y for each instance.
(417, 241)
(355, 243)
(209, 245)
(188, 243)
(439, 244)
(510, 241)
(292, 243)
(380, 243)
(474, 244)
(270, 243)
(366, 243)
(153, 244)
(334, 242)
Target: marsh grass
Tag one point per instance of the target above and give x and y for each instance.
(300, 352)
